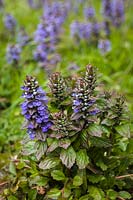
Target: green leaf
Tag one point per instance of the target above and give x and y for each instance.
(95, 130)
(95, 178)
(101, 164)
(21, 165)
(125, 195)
(68, 157)
(12, 198)
(130, 146)
(38, 180)
(85, 197)
(82, 159)
(100, 142)
(112, 194)
(28, 148)
(53, 146)
(57, 175)
(49, 163)
(64, 143)
(96, 193)
(12, 168)
(32, 194)
(66, 192)
(84, 137)
(107, 122)
(41, 148)
(77, 181)
(54, 193)
(123, 130)
(123, 144)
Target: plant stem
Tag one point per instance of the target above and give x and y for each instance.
(124, 176)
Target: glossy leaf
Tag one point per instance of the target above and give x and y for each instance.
(77, 181)
(100, 142)
(57, 175)
(95, 130)
(12, 168)
(66, 192)
(53, 145)
(123, 130)
(102, 165)
(54, 193)
(125, 195)
(96, 192)
(95, 178)
(112, 194)
(41, 148)
(68, 157)
(82, 159)
(49, 163)
(38, 180)
(85, 197)
(64, 143)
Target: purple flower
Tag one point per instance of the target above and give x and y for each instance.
(117, 12)
(22, 38)
(1, 4)
(96, 28)
(89, 12)
(56, 12)
(10, 22)
(41, 33)
(41, 53)
(74, 28)
(13, 53)
(73, 66)
(85, 30)
(104, 46)
(35, 109)
(36, 3)
(106, 27)
(107, 8)
(81, 30)
(94, 112)
(83, 102)
(113, 10)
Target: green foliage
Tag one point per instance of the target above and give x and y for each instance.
(79, 159)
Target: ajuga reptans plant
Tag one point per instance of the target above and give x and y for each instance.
(77, 151)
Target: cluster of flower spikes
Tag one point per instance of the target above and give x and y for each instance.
(58, 87)
(84, 101)
(47, 33)
(35, 109)
(113, 10)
